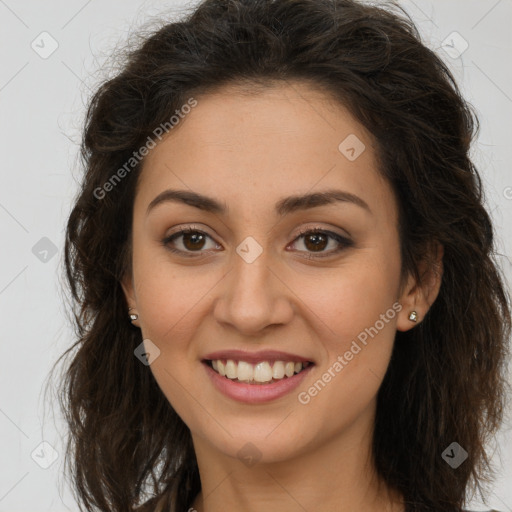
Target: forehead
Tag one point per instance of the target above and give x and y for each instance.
(288, 138)
(236, 117)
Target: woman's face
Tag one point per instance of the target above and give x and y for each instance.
(248, 290)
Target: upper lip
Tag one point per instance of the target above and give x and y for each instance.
(256, 357)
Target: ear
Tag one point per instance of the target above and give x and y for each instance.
(128, 289)
(420, 295)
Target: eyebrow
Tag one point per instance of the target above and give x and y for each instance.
(283, 206)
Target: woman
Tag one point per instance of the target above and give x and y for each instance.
(283, 271)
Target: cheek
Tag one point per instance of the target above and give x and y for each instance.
(171, 303)
(361, 323)
(356, 304)
(354, 296)
(170, 298)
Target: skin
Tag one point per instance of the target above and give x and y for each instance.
(248, 152)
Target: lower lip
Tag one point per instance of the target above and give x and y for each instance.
(256, 393)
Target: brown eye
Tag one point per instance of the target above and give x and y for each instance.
(316, 241)
(188, 241)
(193, 241)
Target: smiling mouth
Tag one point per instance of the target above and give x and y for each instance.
(264, 372)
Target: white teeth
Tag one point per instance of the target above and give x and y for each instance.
(245, 371)
(289, 369)
(278, 370)
(231, 369)
(261, 372)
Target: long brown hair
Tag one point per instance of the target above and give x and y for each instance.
(446, 380)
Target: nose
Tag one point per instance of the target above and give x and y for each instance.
(253, 297)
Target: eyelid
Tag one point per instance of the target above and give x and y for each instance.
(344, 241)
(303, 231)
(181, 230)
(186, 228)
(323, 229)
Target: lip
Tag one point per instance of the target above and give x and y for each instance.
(256, 357)
(255, 393)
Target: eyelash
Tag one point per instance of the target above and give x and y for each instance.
(344, 242)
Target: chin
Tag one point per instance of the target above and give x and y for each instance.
(262, 443)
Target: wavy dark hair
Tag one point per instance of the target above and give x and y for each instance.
(127, 448)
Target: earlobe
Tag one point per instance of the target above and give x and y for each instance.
(127, 286)
(410, 312)
(419, 296)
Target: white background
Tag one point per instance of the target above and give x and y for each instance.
(41, 110)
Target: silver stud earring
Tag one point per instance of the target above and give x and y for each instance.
(413, 316)
(133, 316)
